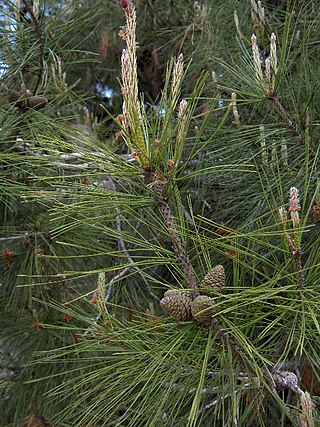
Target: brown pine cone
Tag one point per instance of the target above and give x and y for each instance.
(37, 102)
(202, 309)
(215, 279)
(27, 100)
(14, 96)
(177, 304)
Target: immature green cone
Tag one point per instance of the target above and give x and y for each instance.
(215, 279)
(202, 309)
(37, 102)
(177, 304)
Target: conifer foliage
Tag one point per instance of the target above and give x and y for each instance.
(160, 256)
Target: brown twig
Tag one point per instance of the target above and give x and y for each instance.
(178, 245)
(40, 38)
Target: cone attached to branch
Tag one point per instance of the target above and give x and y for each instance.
(215, 279)
(202, 309)
(177, 304)
(37, 102)
(27, 100)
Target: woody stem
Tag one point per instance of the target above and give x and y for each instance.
(178, 245)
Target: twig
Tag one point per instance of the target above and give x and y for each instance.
(114, 279)
(211, 405)
(67, 166)
(126, 253)
(206, 390)
(225, 338)
(107, 296)
(215, 402)
(178, 246)
(283, 380)
(124, 271)
(40, 41)
(276, 379)
(4, 239)
(123, 247)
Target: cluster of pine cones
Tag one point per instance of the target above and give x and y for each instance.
(185, 305)
(26, 100)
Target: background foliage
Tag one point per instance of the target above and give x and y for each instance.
(95, 227)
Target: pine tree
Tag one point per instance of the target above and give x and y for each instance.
(160, 268)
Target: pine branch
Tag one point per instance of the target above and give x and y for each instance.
(123, 247)
(178, 246)
(40, 38)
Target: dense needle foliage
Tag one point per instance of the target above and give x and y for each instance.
(160, 208)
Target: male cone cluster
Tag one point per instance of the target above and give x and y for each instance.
(183, 305)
